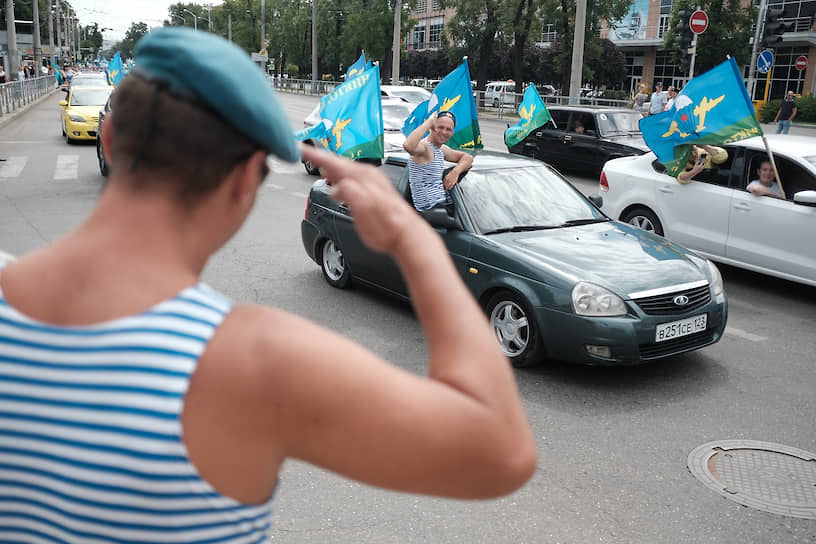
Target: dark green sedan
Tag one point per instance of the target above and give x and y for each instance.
(557, 278)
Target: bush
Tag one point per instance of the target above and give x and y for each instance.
(805, 110)
(617, 95)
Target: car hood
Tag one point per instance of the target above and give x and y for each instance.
(87, 111)
(614, 255)
(635, 141)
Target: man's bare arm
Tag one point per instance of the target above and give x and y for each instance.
(463, 162)
(413, 144)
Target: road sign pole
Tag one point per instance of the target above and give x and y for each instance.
(693, 56)
(755, 49)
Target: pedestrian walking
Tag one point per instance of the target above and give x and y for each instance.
(639, 98)
(787, 111)
(139, 404)
(658, 100)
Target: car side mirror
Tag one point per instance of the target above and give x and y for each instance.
(439, 219)
(805, 198)
(63, 103)
(597, 200)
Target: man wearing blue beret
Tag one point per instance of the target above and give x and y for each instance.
(138, 404)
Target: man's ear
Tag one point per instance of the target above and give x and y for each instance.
(249, 177)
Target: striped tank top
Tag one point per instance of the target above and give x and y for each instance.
(90, 430)
(427, 189)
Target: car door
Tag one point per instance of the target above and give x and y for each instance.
(771, 233)
(696, 214)
(372, 266)
(548, 144)
(582, 150)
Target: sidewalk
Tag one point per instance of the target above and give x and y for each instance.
(8, 117)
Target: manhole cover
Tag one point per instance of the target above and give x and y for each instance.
(766, 476)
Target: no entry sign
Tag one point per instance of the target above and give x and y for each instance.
(698, 21)
(801, 62)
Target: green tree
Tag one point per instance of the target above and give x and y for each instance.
(91, 42)
(729, 32)
(475, 31)
(133, 35)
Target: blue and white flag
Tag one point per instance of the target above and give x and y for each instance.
(713, 108)
(455, 94)
(318, 133)
(354, 114)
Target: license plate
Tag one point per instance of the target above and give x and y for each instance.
(682, 327)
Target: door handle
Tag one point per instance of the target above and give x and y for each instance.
(742, 206)
(666, 189)
(567, 138)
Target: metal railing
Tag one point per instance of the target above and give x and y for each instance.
(17, 94)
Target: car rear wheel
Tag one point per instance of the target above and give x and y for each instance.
(495, 102)
(514, 327)
(334, 266)
(644, 219)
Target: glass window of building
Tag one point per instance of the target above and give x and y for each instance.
(421, 6)
(419, 36)
(435, 5)
(435, 31)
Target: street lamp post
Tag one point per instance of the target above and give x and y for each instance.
(195, 18)
(35, 5)
(178, 17)
(11, 32)
(61, 59)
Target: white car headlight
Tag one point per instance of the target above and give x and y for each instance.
(595, 301)
(76, 118)
(716, 278)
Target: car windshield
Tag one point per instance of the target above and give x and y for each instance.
(619, 122)
(88, 81)
(414, 96)
(811, 159)
(527, 198)
(90, 97)
(394, 115)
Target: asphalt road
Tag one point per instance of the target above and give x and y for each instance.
(613, 442)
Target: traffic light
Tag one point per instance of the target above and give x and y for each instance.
(773, 30)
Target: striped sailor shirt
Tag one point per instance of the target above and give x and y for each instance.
(90, 431)
(427, 189)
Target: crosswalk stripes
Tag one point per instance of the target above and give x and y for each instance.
(12, 167)
(67, 167)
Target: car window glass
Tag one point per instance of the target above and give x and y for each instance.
(393, 172)
(719, 174)
(619, 123)
(90, 97)
(794, 177)
(811, 159)
(394, 115)
(519, 197)
(561, 118)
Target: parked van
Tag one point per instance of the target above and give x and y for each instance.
(500, 93)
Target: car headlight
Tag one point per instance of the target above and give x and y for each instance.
(716, 278)
(76, 118)
(595, 301)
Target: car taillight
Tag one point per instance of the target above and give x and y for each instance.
(306, 214)
(604, 183)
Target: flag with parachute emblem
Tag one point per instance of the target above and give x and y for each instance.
(455, 94)
(353, 112)
(713, 108)
(532, 114)
(359, 66)
(114, 70)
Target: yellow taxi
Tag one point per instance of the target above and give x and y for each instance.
(80, 112)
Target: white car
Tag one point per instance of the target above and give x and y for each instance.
(716, 216)
(414, 95)
(394, 110)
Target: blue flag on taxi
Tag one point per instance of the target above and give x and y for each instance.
(358, 67)
(354, 114)
(114, 70)
(713, 108)
(532, 114)
(455, 94)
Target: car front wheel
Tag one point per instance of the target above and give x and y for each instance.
(100, 156)
(644, 219)
(514, 327)
(309, 166)
(334, 265)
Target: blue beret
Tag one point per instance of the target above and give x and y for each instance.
(221, 75)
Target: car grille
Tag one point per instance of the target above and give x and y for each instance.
(677, 345)
(664, 304)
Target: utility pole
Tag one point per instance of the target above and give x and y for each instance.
(51, 33)
(229, 26)
(263, 24)
(11, 32)
(35, 11)
(314, 46)
(578, 52)
(395, 59)
(763, 6)
(61, 59)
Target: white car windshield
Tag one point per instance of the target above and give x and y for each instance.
(394, 115)
(811, 159)
(90, 97)
(414, 96)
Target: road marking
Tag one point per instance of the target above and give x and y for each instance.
(299, 195)
(273, 186)
(67, 167)
(12, 166)
(745, 335)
